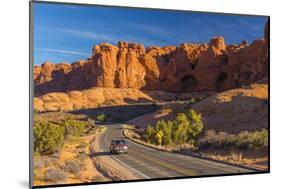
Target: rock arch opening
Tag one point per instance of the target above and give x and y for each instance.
(189, 83)
(166, 58)
(221, 81)
(245, 78)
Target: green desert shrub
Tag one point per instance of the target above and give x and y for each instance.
(74, 127)
(252, 140)
(48, 137)
(179, 130)
(195, 124)
(214, 139)
(101, 118)
(55, 175)
(149, 134)
(243, 141)
(167, 133)
(183, 129)
(72, 166)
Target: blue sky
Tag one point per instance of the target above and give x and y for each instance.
(66, 33)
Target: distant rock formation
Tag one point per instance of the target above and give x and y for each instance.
(187, 67)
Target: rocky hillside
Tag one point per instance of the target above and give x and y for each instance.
(230, 111)
(236, 109)
(188, 67)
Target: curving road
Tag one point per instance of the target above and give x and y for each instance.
(146, 162)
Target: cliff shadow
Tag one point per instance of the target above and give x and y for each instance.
(136, 101)
(63, 82)
(119, 114)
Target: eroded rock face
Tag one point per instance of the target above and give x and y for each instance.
(105, 64)
(188, 67)
(62, 77)
(36, 71)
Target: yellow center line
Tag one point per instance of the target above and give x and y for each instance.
(180, 170)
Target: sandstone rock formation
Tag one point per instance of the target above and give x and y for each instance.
(188, 67)
(90, 98)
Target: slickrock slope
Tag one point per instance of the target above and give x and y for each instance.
(236, 109)
(230, 111)
(90, 98)
(188, 67)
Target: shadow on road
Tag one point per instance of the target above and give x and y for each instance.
(96, 154)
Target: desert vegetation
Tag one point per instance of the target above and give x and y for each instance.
(185, 128)
(101, 118)
(55, 175)
(243, 141)
(49, 137)
(186, 133)
(72, 164)
(74, 127)
(61, 148)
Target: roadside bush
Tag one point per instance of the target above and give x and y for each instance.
(72, 166)
(167, 133)
(242, 141)
(195, 126)
(55, 175)
(48, 137)
(213, 139)
(43, 162)
(149, 134)
(101, 117)
(252, 140)
(163, 133)
(74, 128)
(184, 129)
(179, 130)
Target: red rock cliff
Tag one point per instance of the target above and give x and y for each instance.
(187, 67)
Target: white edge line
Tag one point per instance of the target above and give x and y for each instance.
(221, 166)
(121, 162)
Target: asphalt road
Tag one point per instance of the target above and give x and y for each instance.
(146, 162)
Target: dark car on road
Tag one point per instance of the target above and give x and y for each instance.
(118, 146)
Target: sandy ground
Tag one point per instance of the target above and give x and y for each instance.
(95, 165)
(254, 159)
(76, 150)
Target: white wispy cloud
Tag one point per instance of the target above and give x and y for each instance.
(89, 34)
(62, 51)
(151, 29)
